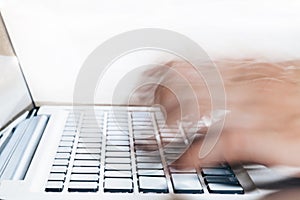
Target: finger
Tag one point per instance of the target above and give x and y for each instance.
(268, 148)
(265, 147)
(190, 158)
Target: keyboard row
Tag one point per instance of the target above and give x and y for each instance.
(121, 181)
(118, 174)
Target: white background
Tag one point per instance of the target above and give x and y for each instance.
(52, 38)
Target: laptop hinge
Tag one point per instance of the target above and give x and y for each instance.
(17, 153)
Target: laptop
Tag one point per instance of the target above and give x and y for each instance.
(101, 152)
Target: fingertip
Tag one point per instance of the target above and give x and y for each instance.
(183, 164)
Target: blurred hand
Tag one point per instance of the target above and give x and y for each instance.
(263, 125)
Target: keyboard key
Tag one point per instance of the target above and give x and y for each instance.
(174, 131)
(118, 142)
(118, 114)
(172, 155)
(173, 150)
(117, 154)
(221, 179)
(153, 184)
(151, 147)
(149, 136)
(150, 128)
(117, 119)
(118, 185)
(142, 123)
(148, 133)
(57, 177)
(147, 153)
(186, 183)
(180, 147)
(119, 133)
(89, 140)
(72, 121)
(80, 156)
(85, 170)
(83, 186)
(91, 130)
(68, 138)
(66, 144)
(61, 162)
(181, 169)
(92, 118)
(220, 188)
(149, 166)
(62, 156)
(88, 151)
(70, 128)
(121, 124)
(146, 159)
(216, 172)
(218, 166)
(89, 145)
(170, 135)
(116, 124)
(178, 140)
(54, 186)
(69, 133)
(117, 128)
(59, 169)
(156, 172)
(117, 137)
(145, 141)
(84, 177)
(64, 150)
(87, 163)
(110, 166)
(141, 114)
(90, 135)
(117, 148)
(118, 174)
(91, 124)
(142, 119)
(118, 160)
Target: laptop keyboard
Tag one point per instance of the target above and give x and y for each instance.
(129, 152)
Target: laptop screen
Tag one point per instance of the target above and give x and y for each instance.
(14, 94)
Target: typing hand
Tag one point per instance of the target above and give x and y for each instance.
(263, 124)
